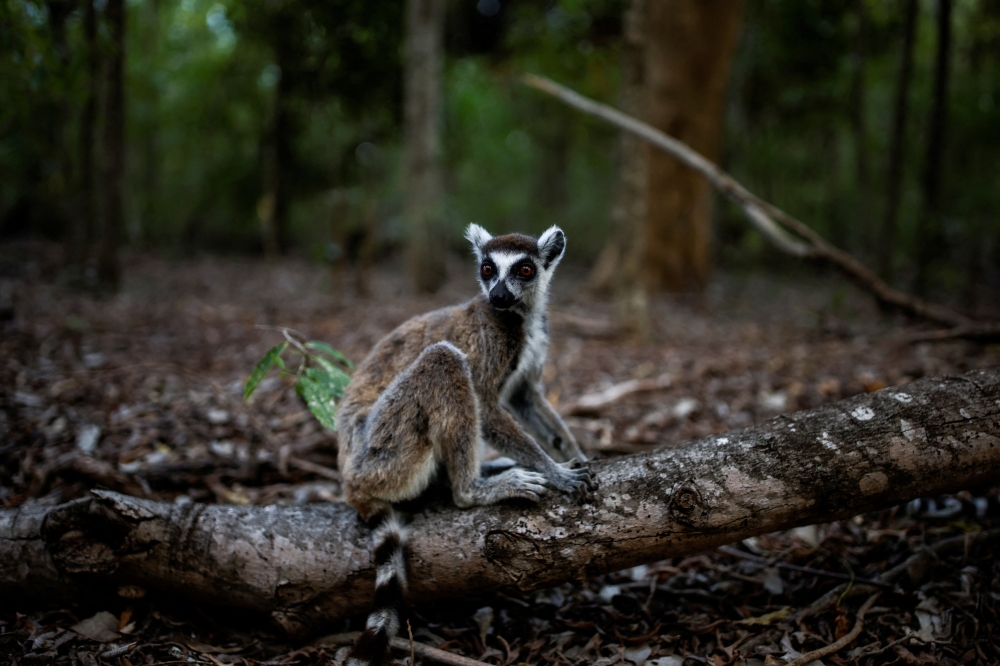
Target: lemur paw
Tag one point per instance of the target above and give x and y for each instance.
(575, 480)
(523, 484)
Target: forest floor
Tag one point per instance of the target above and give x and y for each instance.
(141, 393)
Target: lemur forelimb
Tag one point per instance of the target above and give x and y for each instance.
(435, 389)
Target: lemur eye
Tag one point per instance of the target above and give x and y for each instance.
(486, 270)
(526, 271)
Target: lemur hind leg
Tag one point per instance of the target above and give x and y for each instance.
(426, 417)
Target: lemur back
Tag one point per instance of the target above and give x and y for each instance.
(434, 389)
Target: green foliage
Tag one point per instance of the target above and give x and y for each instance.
(264, 365)
(319, 381)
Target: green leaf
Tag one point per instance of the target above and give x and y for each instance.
(330, 351)
(271, 358)
(330, 377)
(318, 399)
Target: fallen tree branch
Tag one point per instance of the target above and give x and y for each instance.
(768, 219)
(309, 565)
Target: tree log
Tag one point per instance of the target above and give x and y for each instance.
(309, 565)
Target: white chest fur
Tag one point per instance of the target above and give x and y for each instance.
(531, 361)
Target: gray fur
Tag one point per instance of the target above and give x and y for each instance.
(432, 390)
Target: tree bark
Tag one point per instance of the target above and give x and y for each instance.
(689, 49)
(422, 144)
(108, 262)
(929, 230)
(620, 265)
(309, 565)
(897, 146)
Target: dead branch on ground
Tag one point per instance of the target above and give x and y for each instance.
(308, 565)
(772, 222)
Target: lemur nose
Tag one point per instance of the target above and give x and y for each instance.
(500, 296)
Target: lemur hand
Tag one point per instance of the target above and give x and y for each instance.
(572, 478)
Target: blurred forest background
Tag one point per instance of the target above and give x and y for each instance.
(277, 126)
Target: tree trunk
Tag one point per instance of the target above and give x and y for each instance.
(309, 565)
(283, 157)
(859, 124)
(897, 147)
(83, 223)
(620, 266)
(421, 151)
(689, 48)
(108, 263)
(151, 139)
(60, 180)
(929, 230)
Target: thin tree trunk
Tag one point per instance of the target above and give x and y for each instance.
(109, 263)
(271, 168)
(309, 565)
(59, 185)
(859, 124)
(929, 230)
(897, 147)
(83, 224)
(421, 151)
(689, 49)
(620, 265)
(283, 156)
(151, 140)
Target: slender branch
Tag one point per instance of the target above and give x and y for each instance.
(843, 642)
(768, 219)
(406, 645)
(913, 562)
(718, 178)
(733, 552)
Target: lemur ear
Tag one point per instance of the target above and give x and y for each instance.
(478, 237)
(551, 246)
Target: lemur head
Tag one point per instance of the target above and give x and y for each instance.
(515, 269)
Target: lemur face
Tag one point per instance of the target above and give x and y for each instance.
(515, 269)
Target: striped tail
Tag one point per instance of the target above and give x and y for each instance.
(946, 508)
(372, 646)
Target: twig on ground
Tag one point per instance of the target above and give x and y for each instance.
(729, 550)
(592, 403)
(768, 219)
(314, 468)
(421, 649)
(917, 559)
(409, 632)
(118, 651)
(843, 642)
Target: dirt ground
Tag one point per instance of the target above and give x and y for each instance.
(141, 393)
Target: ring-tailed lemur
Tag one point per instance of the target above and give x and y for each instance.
(434, 389)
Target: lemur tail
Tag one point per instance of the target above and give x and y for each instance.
(389, 541)
(952, 507)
